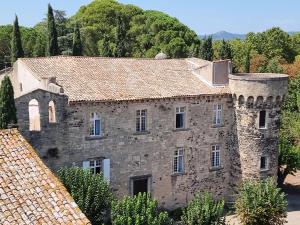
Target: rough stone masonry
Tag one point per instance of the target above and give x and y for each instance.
(228, 128)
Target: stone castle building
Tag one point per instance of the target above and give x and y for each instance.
(171, 127)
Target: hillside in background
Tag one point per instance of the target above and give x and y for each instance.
(230, 36)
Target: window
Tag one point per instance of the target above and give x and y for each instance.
(180, 117)
(141, 120)
(179, 161)
(262, 119)
(97, 166)
(264, 163)
(51, 112)
(215, 156)
(21, 87)
(217, 115)
(34, 115)
(95, 125)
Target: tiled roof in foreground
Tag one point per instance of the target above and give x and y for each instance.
(29, 192)
(98, 79)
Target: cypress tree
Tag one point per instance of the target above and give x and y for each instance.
(207, 52)
(16, 42)
(106, 51)
(77, 45)
(225, 50)
(52, 34)
(8, 112)
(121, 37)
(247, 61)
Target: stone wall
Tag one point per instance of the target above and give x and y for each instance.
(132, 154)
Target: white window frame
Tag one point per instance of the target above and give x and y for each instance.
(181, 110)
(215, 156)
(266, 163)
(218, 114)
(103, 164)
(141, 120)
(178, 158)
(94, 117)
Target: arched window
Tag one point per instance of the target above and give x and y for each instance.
(52, 112)
(34, 116)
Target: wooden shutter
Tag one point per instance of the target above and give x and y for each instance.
(86, 164)
(106, 169)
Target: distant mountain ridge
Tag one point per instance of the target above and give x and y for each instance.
(229, 36)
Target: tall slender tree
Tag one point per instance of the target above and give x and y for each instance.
(8, 112)
(247, 61)
(16, 42)
(207, 52)
(77, 45)
(225, 50)
(52, 34)
(121, 36)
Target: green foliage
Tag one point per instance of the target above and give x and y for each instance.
(138, 210)
(8, 112)
(52, 34)
(90, 192)
(77, 45)
(225, 50)
(261, 202)
(273, 43)
(272, 66)
(206, 51)
(289, 158)
(147, 32)
(16, 42)
(203, 210)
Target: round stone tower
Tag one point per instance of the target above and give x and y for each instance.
(257, 102)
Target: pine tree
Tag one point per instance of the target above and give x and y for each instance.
(247, 61)
(77, 45)
(52, 34)
(121, 37)
(16, 42)
(8, 112)
(207, 52)
(225, 50)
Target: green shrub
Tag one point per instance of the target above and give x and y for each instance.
(90, 192)
(138, 210)
(261, 202)
(203, 210)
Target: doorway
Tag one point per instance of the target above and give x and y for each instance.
(140, 185)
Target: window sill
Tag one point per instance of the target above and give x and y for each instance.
(90, 138)
(217, 125)
(142, 133)
(180, 129)
(211, 169)
(178, 174)
(264, 170)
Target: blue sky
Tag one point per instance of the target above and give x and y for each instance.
(205, 17)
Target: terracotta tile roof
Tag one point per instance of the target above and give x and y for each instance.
(29, 192)
(97, 79)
